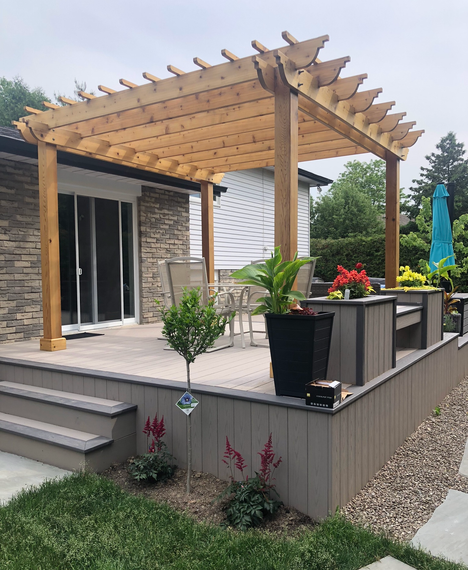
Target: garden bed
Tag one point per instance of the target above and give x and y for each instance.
(200, 504)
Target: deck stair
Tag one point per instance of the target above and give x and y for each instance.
(408, 315)
(71, 431)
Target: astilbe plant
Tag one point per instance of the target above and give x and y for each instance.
(157, 464)
(250, 499)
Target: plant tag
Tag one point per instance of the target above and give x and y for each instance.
(187, 403)
(346, 294)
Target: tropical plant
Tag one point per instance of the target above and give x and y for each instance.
(358, 284)
(277, 277)
(157, 463)
(250, 500)
(442, 272)
(191, 328)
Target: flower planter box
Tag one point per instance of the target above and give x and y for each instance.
(462, 308)
(430, 329)
(300, 347)
(363, 343)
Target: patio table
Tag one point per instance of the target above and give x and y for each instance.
(244, 292)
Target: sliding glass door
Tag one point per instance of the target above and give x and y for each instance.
(97, 266)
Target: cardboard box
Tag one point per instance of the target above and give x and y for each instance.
(323, 394)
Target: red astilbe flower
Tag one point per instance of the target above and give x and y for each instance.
(231, 455)
(267, 462)
(157, 430)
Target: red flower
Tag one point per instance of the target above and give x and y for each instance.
(358, 266)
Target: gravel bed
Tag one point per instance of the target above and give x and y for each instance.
(403, 495)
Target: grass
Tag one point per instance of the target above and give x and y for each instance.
(85, 521)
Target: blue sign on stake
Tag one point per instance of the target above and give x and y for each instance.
(187, 403)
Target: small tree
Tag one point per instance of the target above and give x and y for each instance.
(191, 329)
(14, 96)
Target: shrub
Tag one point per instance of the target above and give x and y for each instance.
(250, 500)
(157, 463)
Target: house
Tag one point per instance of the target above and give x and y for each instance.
(115, 223)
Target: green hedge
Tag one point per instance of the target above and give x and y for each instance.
(367, 250)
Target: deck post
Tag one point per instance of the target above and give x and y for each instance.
(50, 252)
(207, 228)
(392, 221)
(286, 173)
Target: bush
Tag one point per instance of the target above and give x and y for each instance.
(370, 251)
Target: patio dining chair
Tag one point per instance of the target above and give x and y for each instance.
(190, 273)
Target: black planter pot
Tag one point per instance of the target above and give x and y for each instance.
(300, 347)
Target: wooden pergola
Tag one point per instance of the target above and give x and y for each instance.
(276, 108)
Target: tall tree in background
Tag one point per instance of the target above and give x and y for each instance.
(365, 177)
(342, 212)
(446, 165)
(14, 96)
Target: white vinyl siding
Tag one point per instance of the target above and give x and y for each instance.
(244, 221)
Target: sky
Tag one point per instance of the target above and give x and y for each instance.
(414, 49)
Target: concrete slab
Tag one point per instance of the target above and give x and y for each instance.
(17, 473)
(464, 463)
(446, 533)
(388, 563)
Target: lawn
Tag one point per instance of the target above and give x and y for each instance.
(86, 521)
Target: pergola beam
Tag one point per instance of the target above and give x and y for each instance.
(197, 82)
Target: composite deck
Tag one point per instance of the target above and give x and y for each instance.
(328, 455)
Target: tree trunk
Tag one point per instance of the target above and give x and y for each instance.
(189, 437)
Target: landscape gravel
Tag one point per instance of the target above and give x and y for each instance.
(404, 494)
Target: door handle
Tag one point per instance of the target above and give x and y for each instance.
(80, 271)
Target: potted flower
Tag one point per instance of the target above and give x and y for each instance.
(299, 338)
(452, 318)
(357, 284)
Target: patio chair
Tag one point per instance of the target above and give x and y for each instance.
(190, 273)
(164, 284)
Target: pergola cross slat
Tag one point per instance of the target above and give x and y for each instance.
(274, 108)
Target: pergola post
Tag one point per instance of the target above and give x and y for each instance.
(286, 163)
(50, 253)
(207, 228)
(392, 220)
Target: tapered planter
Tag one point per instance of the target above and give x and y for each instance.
(300, 347)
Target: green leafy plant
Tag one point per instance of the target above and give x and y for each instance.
(436, 411)
(250, 500)
(277, 277)
(191, 328)
(157, 463)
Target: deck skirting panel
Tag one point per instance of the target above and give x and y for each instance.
(327, 457)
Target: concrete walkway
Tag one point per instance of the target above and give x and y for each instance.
(388, 563)
(17, 473)
(446, 532)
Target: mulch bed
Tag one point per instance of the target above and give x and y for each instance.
(199, 504)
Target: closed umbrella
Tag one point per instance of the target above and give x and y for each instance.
(442, 245)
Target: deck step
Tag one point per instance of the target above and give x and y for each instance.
(71, 431)
(407, 315)
(75, 411)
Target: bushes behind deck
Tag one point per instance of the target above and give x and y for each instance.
(367, 250)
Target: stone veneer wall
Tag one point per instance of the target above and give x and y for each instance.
(164, 233)
(20, 254)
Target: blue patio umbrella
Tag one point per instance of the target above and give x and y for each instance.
(442, 245)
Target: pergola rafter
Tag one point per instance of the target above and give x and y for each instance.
(274, 108)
